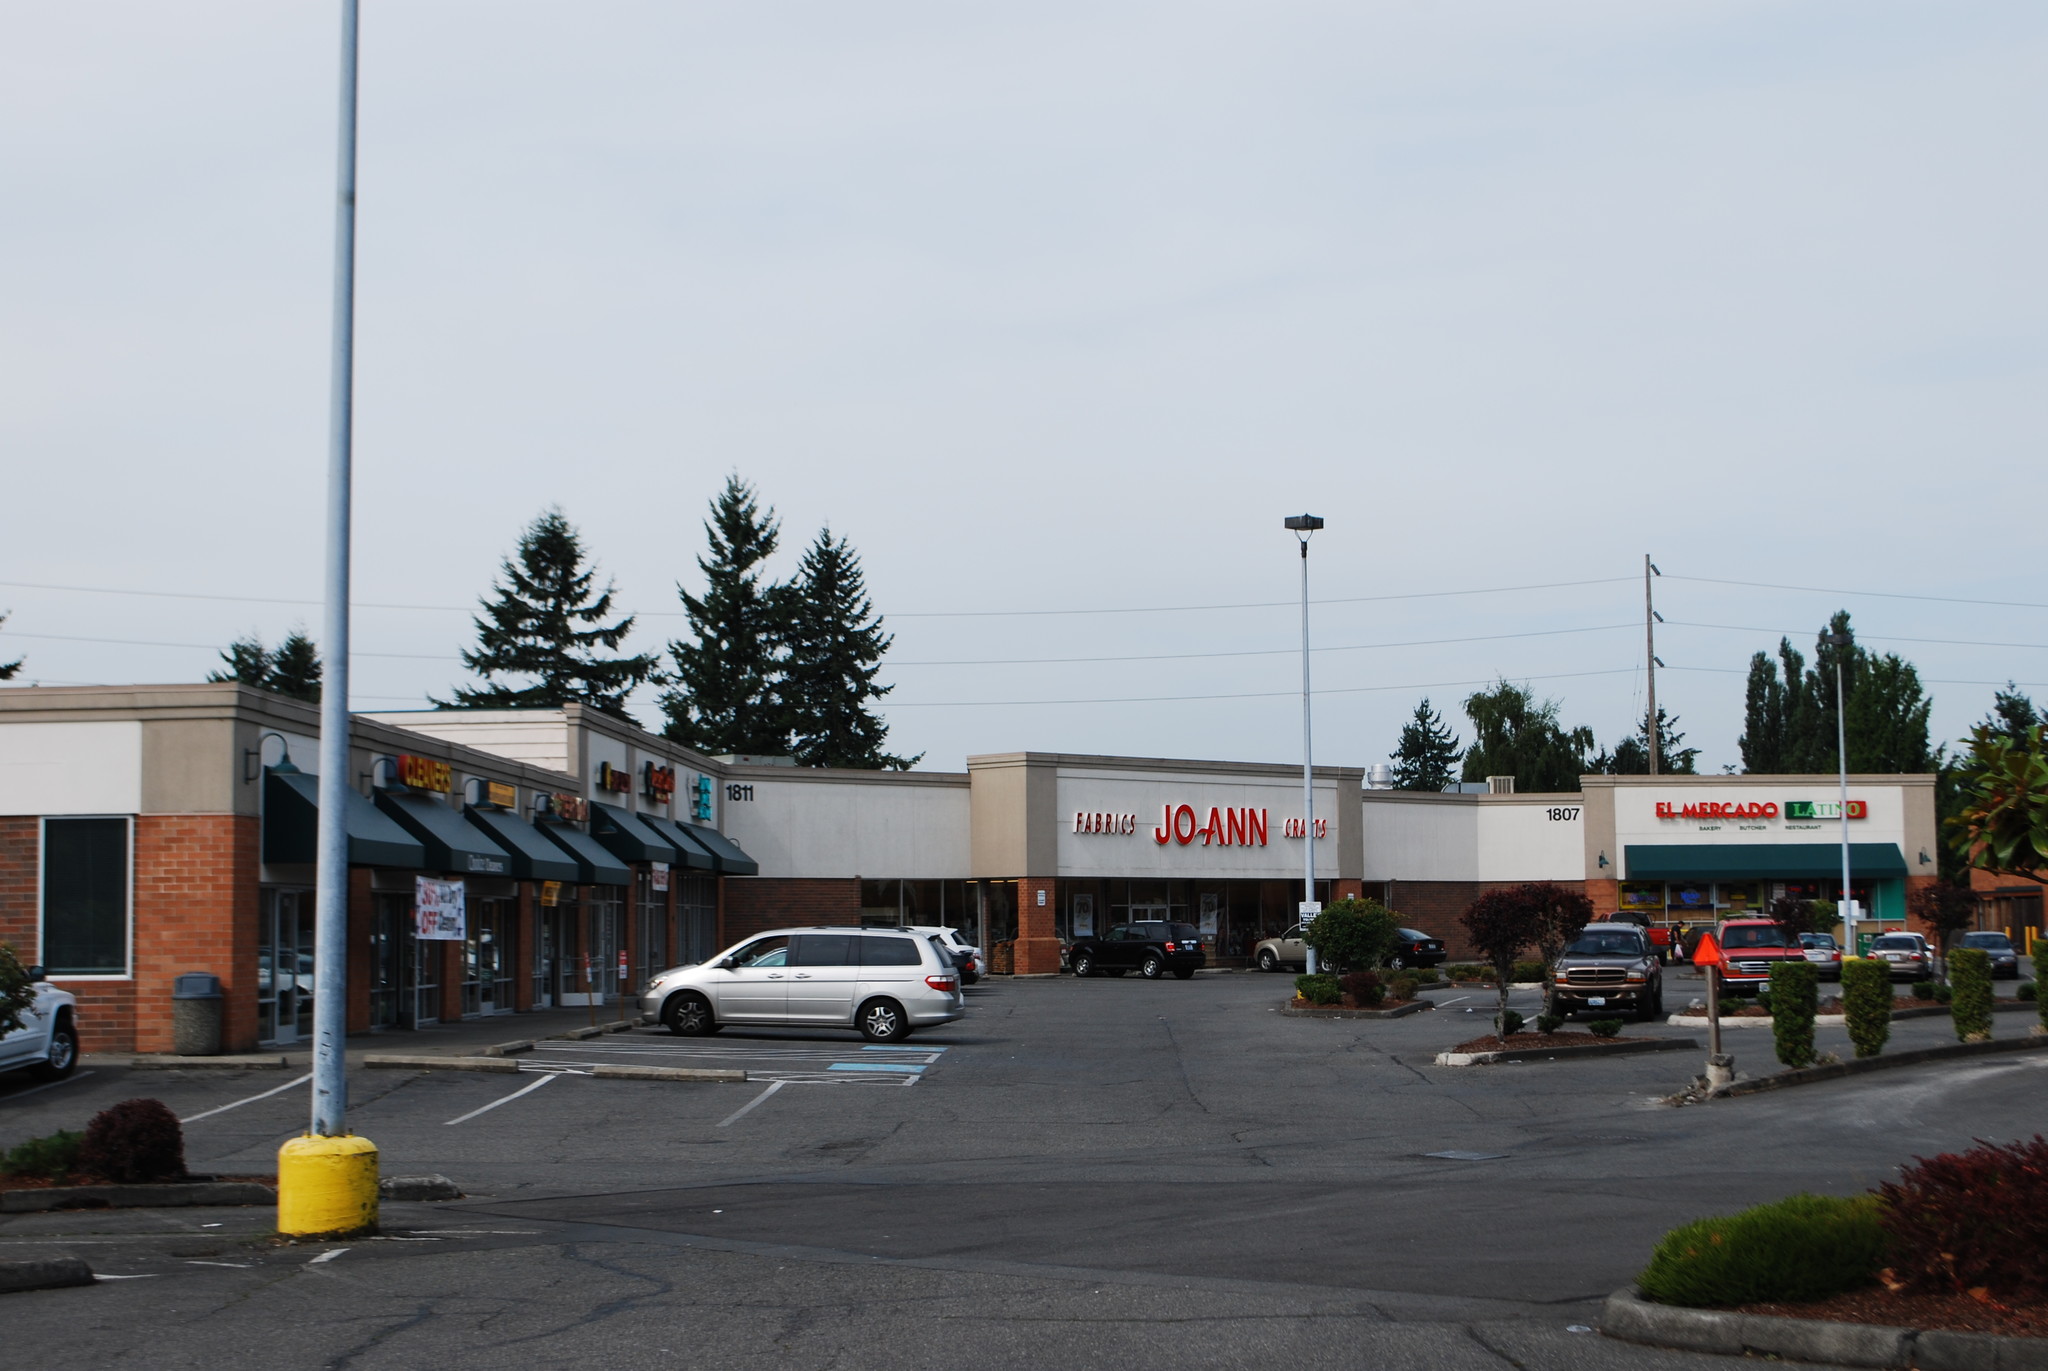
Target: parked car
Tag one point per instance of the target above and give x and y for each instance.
(2005, 959)
(884, 982)
(965, 954)
(1908, 955)
(1151, 949)
(1608, 965)
(1824, 954)
(1750, 948)
(1416, 948)
(1273, 954)
(47, 1042)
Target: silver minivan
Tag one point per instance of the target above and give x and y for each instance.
(882, 981)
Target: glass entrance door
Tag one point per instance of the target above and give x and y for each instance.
(284, 961)
(547, 956)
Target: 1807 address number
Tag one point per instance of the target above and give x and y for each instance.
(1563, 814)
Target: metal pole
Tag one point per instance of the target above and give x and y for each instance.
(1650, 663)
(1308, 775)
(330, 905)
(1842, 756)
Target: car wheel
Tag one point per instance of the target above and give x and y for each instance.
(63, 1058)
(1398, 963)
(882, 1021)
(689, 1015)
(1153, 967)
(1183, 973)
(1267, 961)
(1084, 965)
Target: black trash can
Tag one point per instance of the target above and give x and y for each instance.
(196, 1004)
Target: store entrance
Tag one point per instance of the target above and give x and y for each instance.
(547, 957)
(405, 973)
(284, 967)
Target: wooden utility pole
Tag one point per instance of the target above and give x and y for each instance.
(1650, 661)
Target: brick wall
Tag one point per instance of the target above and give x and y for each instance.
(754, 904)
(1037, 952)
(18, 841)
(196, 903)
(1435, 906)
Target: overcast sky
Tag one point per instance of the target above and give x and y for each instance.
(1053, 307)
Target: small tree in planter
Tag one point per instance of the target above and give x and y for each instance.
(1562, 911)
(1353, 935)
(1794, 1001)
(1500, 924)
(1970, 993)
(1867, 1003)
(135, 1141)
(1946, 910)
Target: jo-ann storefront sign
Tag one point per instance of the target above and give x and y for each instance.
(1762, 809)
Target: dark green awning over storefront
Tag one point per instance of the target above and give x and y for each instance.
(1758, 861)
(594, 865)
(627, 836)
(690, 853)
(451, 844)
(291, 824)
(534, 858)
(732, 861)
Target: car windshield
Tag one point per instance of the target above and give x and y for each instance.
(1754, 935)
(1416, 935)
(1896, 945)
(1996, 941)
(1821, 940)
(1606, 945)
(1183, 933)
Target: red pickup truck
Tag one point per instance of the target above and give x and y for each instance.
(1750, 948)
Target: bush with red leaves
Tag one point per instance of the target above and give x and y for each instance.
(1968, 1221)
(134, 1142)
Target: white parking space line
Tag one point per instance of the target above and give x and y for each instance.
(327, 1256)
(743, 1110)
(275, 1090)
(522, 1090)
(38, 1089)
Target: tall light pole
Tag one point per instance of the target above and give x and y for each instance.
(1303, 526)
(327, 1180)
(1840, 643)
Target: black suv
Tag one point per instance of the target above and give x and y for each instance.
(1150, 949)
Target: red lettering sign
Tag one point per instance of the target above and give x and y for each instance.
(611, 778)
(661, 782)
(1232, 827)
(424, 773)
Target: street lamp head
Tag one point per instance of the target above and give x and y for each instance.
(1836, 639)
(1304, 523)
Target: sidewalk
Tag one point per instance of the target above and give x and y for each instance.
(465, 1038)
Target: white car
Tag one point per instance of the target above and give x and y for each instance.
(973, 968)
(883, 981)
(47, 1043)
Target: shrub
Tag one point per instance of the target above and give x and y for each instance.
(1604, 1028)
(1364, 988)
(1867, 1004)
(1403, 989)
(1322, 989)
(1467, 971)
(1549, 1023)
(134, 1141)
(1763, 995)
(1423, 975)
(1805, 1247)
(2040, 973)
(1510, 1023)
(1922, 990)
(1732, 1004)
(1353, 934)
(1943, 992)
(50, 1159)
(1794, 1001)
(1532, 971)
(2026, 992)
(17, 992)
(1972, 1220)
(1969, 970)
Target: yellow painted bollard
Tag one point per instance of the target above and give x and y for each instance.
(326, 1187)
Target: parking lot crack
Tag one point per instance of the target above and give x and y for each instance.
(1180, 1060)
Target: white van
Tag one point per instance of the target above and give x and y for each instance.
(882, 981)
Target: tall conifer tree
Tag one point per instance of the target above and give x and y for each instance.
(292, 668)
(1789, 716)
(544, 622)
(8, 669)
(836, 645)
(1427, 756)
(725, 696)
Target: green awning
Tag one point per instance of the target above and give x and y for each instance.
(534, 858)
(732, 861)
(291, 827)
(689, 852)
(1758, 861)
(628, 837)
(594, 865)
(451, 844)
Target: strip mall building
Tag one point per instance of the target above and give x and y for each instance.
(502, 861)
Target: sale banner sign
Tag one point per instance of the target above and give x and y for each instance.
(439, 911)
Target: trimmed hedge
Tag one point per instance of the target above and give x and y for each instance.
(49, 1159)
(1318, 989)
(1805, 1247)
(1969, 979)
(1867, 1004)
(1795, 999)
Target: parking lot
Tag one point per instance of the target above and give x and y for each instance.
(1166, 1173)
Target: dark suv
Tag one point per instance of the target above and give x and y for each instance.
(1150, 949)
(1608, 966)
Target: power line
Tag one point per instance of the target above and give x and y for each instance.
(1860, 637)
(1258, 652)
(1924, 680)
(1877, 594)
(1245, 695)
(215, 647)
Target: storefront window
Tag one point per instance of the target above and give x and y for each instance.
(487, 957)
(604, 911)
(85, 897)
(696, 918)
(284, 966)
(650, 948)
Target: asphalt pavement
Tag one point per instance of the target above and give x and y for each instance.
(1080, 1173)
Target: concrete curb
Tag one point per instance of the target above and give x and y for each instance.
(1834, 1020)
(43, 1275)
(507, 1049)
(595, 1030)
(1631, 1318)
(1399, 1011)
(1545, 1054)
(398, 1063)
(666, 1073)
(151, 1061)
(1835, 1071)
(170, 1196)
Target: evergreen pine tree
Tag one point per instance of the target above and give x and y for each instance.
(835, 647)
(293, 668)
(726, 697)
(1631, 756)
(1515, 735)
(543, 623)
(1789, 716)
(8, 669)
(247, 662)
(1427, 755)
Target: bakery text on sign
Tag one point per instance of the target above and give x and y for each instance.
(424, 773)
(1223, 828)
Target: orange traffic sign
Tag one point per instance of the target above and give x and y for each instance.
(1708, 953)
